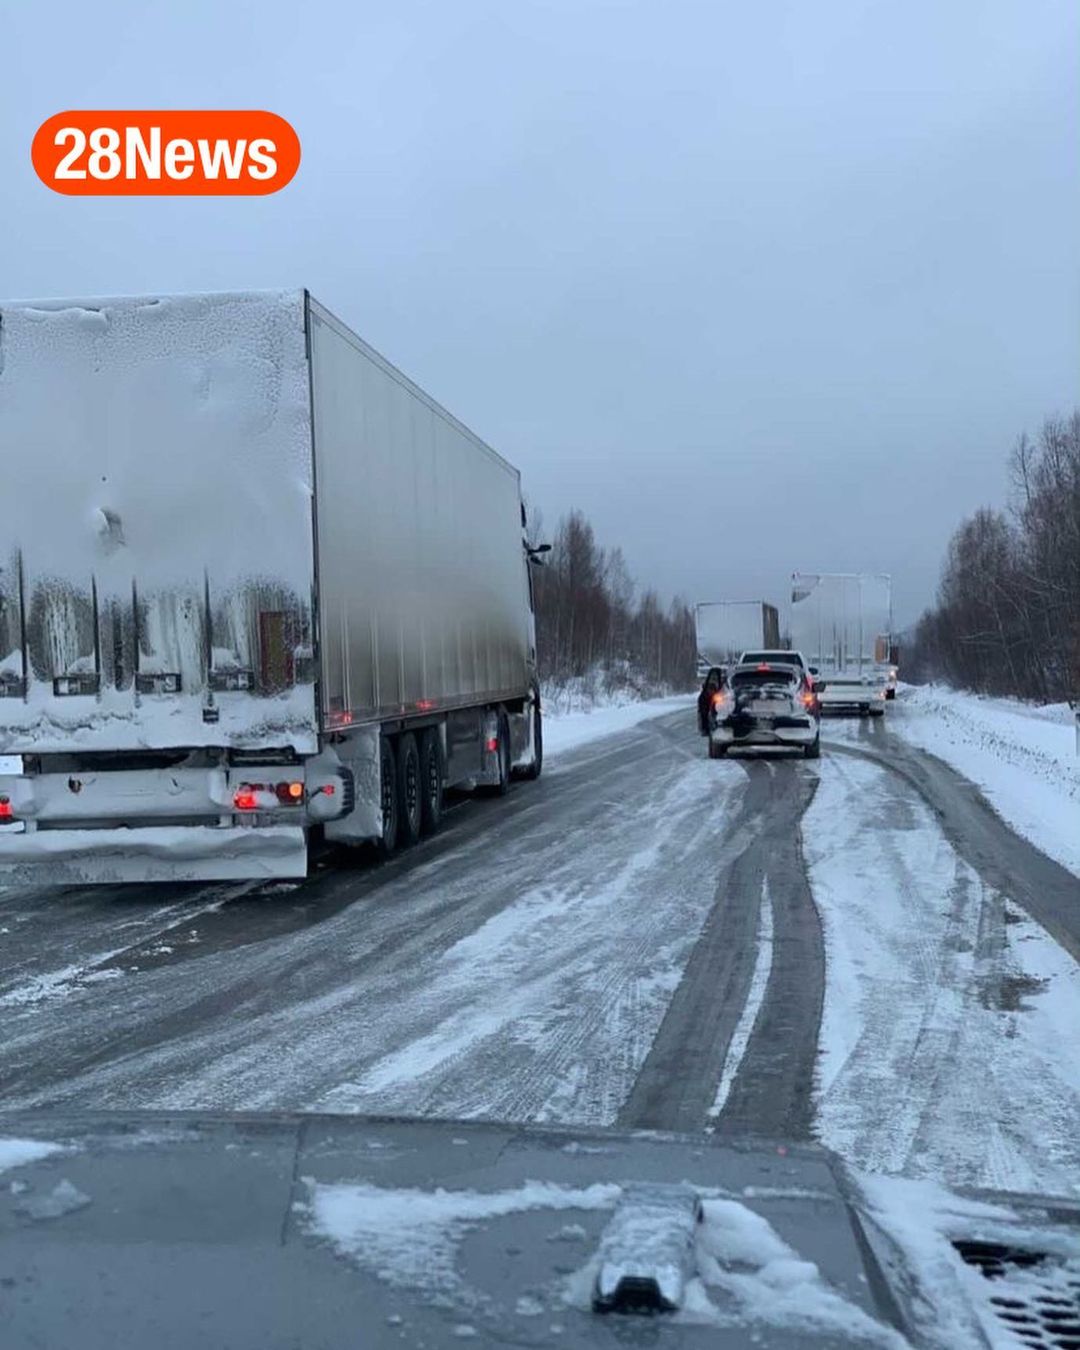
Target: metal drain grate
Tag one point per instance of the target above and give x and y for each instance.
(1035, 1294)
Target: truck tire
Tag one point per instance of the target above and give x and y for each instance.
(410, 791)
(431, 780)
(813, 750)
(388, 794)
(532, 771)
(717, 751)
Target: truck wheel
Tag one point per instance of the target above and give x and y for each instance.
(717, 751)
(813, 750)
(431, 781)
(532, 771)
(410, 791)
(388, 797)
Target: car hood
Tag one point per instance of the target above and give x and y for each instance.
(173, 1230)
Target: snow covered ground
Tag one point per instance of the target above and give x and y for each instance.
(1022, 757)
(518, 967)
(567, 730)
(947, 1045)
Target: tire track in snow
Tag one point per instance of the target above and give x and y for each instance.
(770, 1092)
(754, 999)
(1005, 861)
(559, 1024)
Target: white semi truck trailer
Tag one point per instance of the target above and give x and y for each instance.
(841, 623)
(727, 628)
(255, 587)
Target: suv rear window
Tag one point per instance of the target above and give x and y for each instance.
(788, 658)
(743, 679)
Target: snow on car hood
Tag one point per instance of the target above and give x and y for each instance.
(426, 1232)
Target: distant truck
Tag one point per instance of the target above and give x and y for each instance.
(894, 671)
(841, 623)
(727, 628)
(255, 587)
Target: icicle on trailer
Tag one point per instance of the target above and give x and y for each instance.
(254, 583)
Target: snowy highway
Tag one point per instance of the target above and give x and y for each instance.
(856, 949)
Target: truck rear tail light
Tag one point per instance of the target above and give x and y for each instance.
(71, 686)
(159, 682)
(232, 681)
(246, 798)
(493, 743)
(291, 794)
(719, 699)
(6, 813)
(809, 698)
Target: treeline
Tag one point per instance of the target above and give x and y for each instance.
(1007, 619)
(592, 627)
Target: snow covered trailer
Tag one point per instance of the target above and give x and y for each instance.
(727, 628)
(841, 623)
(254, 584)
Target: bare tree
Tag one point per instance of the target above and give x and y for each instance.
(589, 628)
(1007, 619)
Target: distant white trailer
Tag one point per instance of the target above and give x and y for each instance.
(841, 622)
(727, 628)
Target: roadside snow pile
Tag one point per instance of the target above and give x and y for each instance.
(566, 727)
(1022, 757)
(620, 685)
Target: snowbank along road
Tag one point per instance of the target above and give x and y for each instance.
(856, 949)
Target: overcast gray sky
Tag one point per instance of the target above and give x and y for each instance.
(760, 287)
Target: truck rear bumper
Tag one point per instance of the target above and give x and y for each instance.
(156, 853)
(841, 699)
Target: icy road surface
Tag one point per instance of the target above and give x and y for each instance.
(856, 948)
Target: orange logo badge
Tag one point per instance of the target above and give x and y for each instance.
(166, 154)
